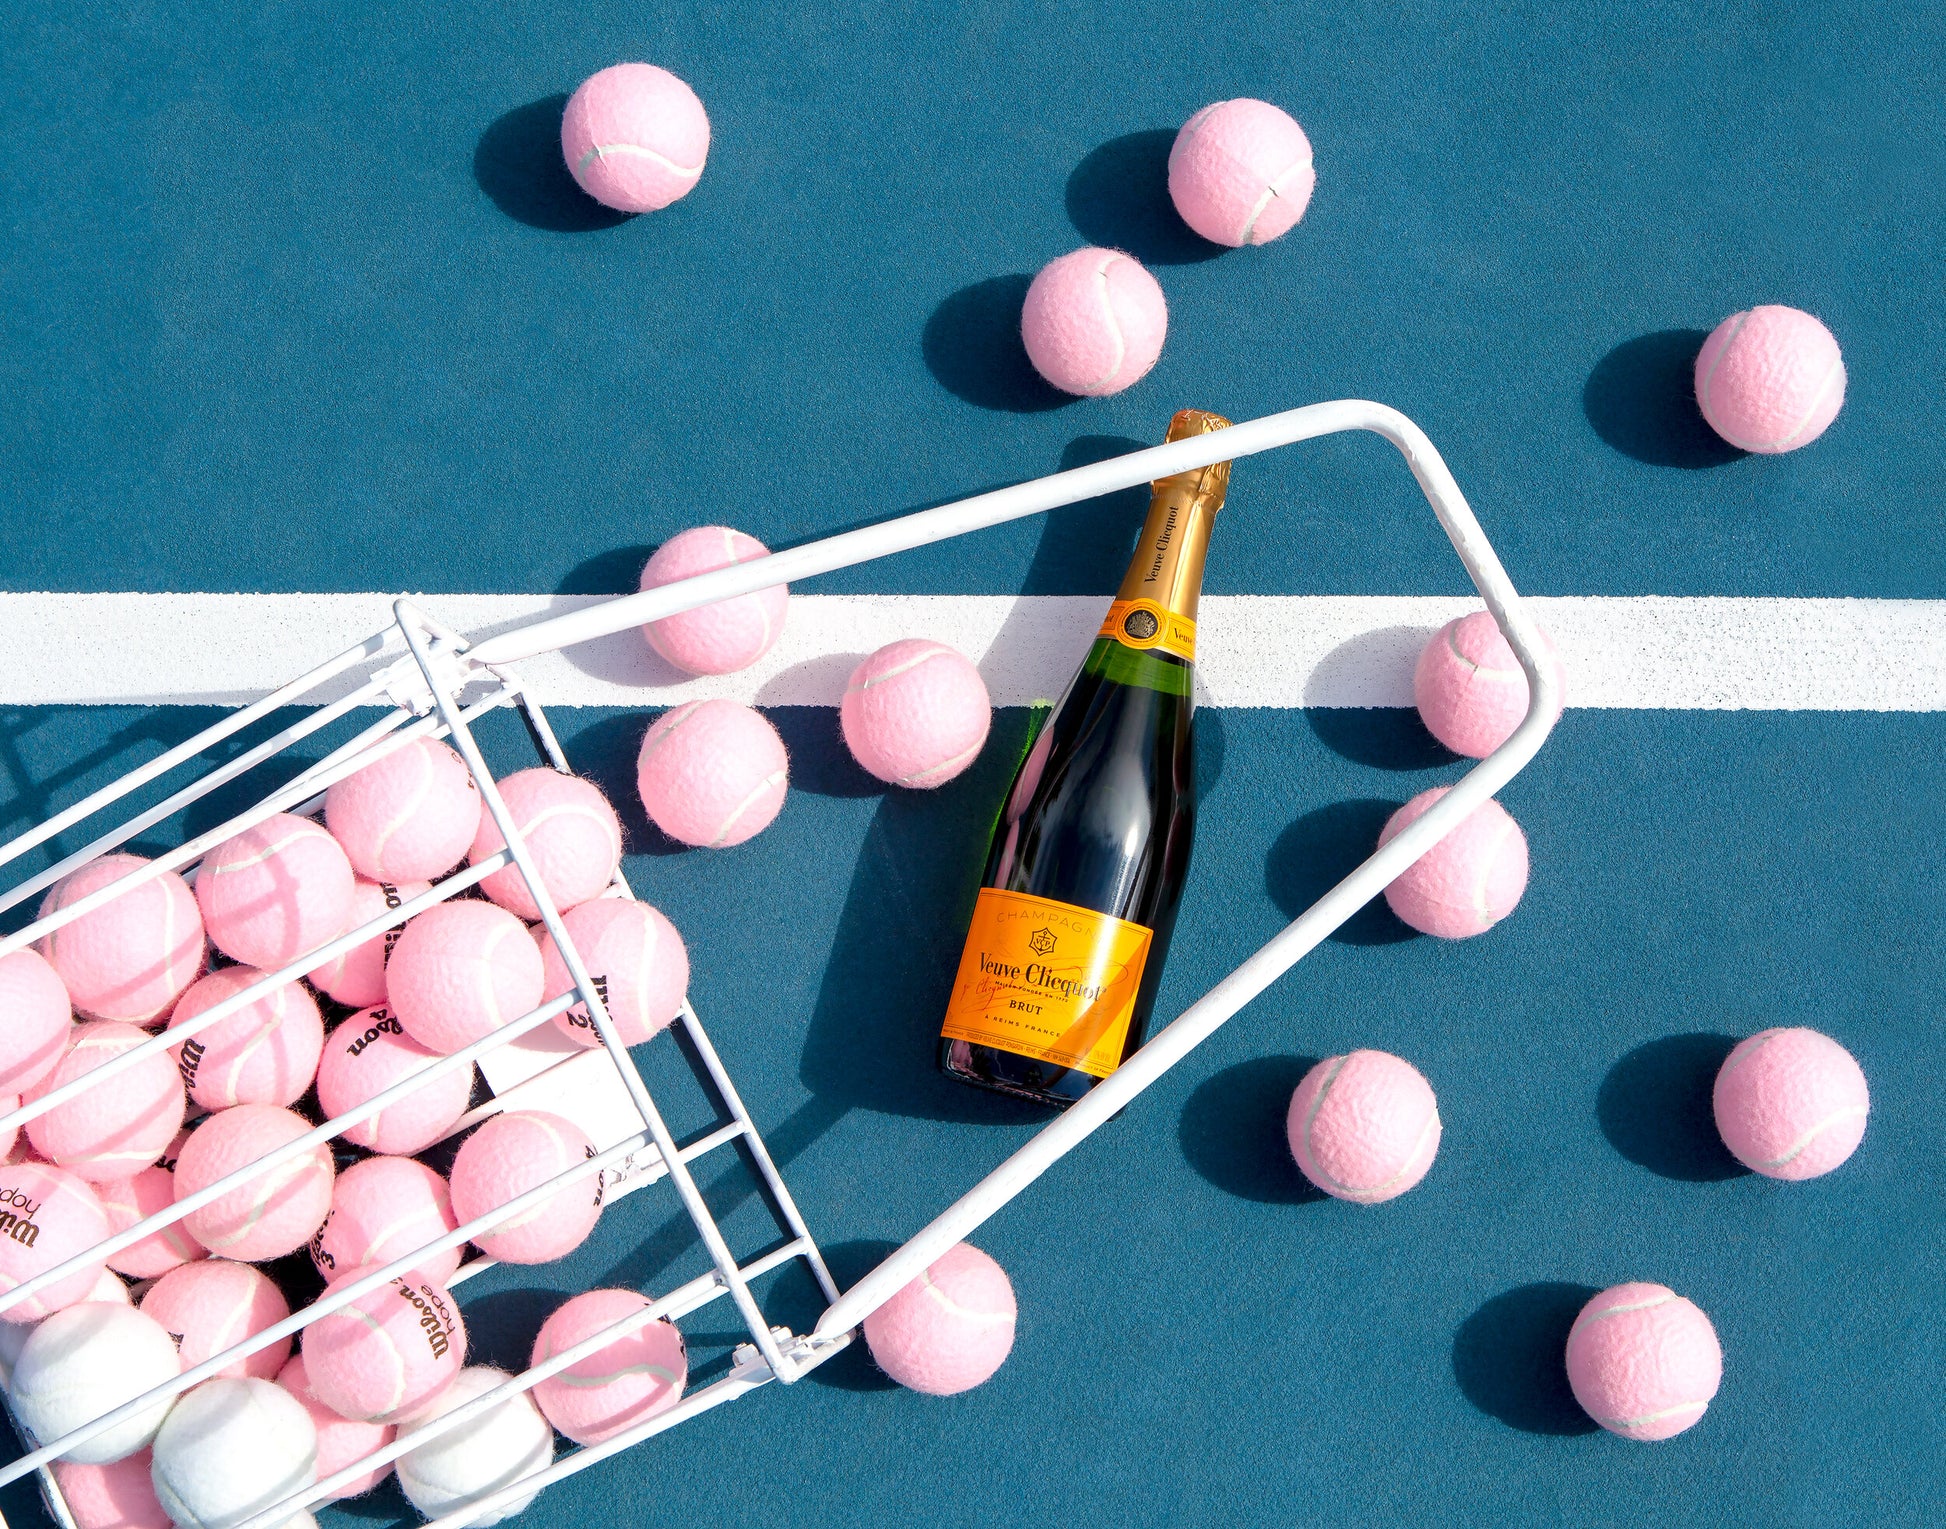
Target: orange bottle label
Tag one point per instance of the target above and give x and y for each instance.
(1047, 980)
(1147, 624)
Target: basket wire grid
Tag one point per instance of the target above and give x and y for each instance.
(440, 686)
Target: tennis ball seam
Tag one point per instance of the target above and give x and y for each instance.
(669, 724)
(1699, 1408)
(1272, 191)
(1849, 1112)
(1317, 1104)
(953, 1308)
(421, 792)
(263, 856)
(1114, 325)
(762, 788)
(637, 151)
(1624, 1307)
(932, 651)
(1489, 863)
(268, 1187)
(946, 768)
(567, 1380)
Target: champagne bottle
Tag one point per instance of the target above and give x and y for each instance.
(1092, 844)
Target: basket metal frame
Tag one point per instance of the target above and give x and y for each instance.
(435, 683)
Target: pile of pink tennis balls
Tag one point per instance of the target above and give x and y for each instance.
(135, 975)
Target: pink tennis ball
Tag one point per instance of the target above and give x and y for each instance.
(119, 1125)
(460, 971)
(1469, 880)
(134, 1199)
(1240, 172)
(263, 1053)
(634, 956)
(1094, 322)
(635, 137)
(571, 832)
(130, 958)
(1470, 689)
(712, 773)
(215, 1304)
(369, 1053)
(620, 1384)
(1791, 1103)
(729, 634)
(36, 1021)
(341, 1441)
(118, 1495)
(275, 891)
(384, 1208)
(1643, 1362)
(511, 1154)
(1770, 380)
(356, 979)
(266, 1216)
(1364, 1126)
(948, 1330)
(47, 1216)
(386, 1354)
(408, 816)
(916, 713)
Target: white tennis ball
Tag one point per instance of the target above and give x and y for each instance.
(231, 1448)
(505, 1444)
(84, 1362)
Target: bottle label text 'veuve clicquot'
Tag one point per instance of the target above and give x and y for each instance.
(1048, 980)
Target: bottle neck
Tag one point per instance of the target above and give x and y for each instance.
(1156, 606)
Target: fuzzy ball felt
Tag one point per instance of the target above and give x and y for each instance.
(1770, 380)
(507, 1443)
(1093, 322)
(1364, 1126)
(571, 832)
(948, 1330)
(712, 773)
(916, 713)
(1643, 1362)
(1469, 687)
(460, 971)
(511, 1154)
(618, 1385)
(275, 891)
(118, 1495)
(270, 1214)
(341, 1441)
(263, 1053)
(214, 1305)
(1240, 172)
(356, 979)
(1469, 880)
(131, 957)
(369, 1053)
(117, 1126)
(384, 1208)
(85, 1361)
(388, 1353)
(64, 1216)
(636, 958)
(635, 137)
(728, 634)
(1791, 1103)
(408, 816)
(36, 1022)
(231, 1448)
(138, 1197)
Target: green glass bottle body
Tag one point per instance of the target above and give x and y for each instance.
(1092, 845)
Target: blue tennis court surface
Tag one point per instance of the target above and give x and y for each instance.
(299, 301)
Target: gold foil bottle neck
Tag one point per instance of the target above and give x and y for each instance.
(1168, 564)
(1211, 482)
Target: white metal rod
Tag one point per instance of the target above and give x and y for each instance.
(1164, 1050)
(166, 761)
(921, 527)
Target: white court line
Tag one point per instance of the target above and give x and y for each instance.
(1650, 652)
